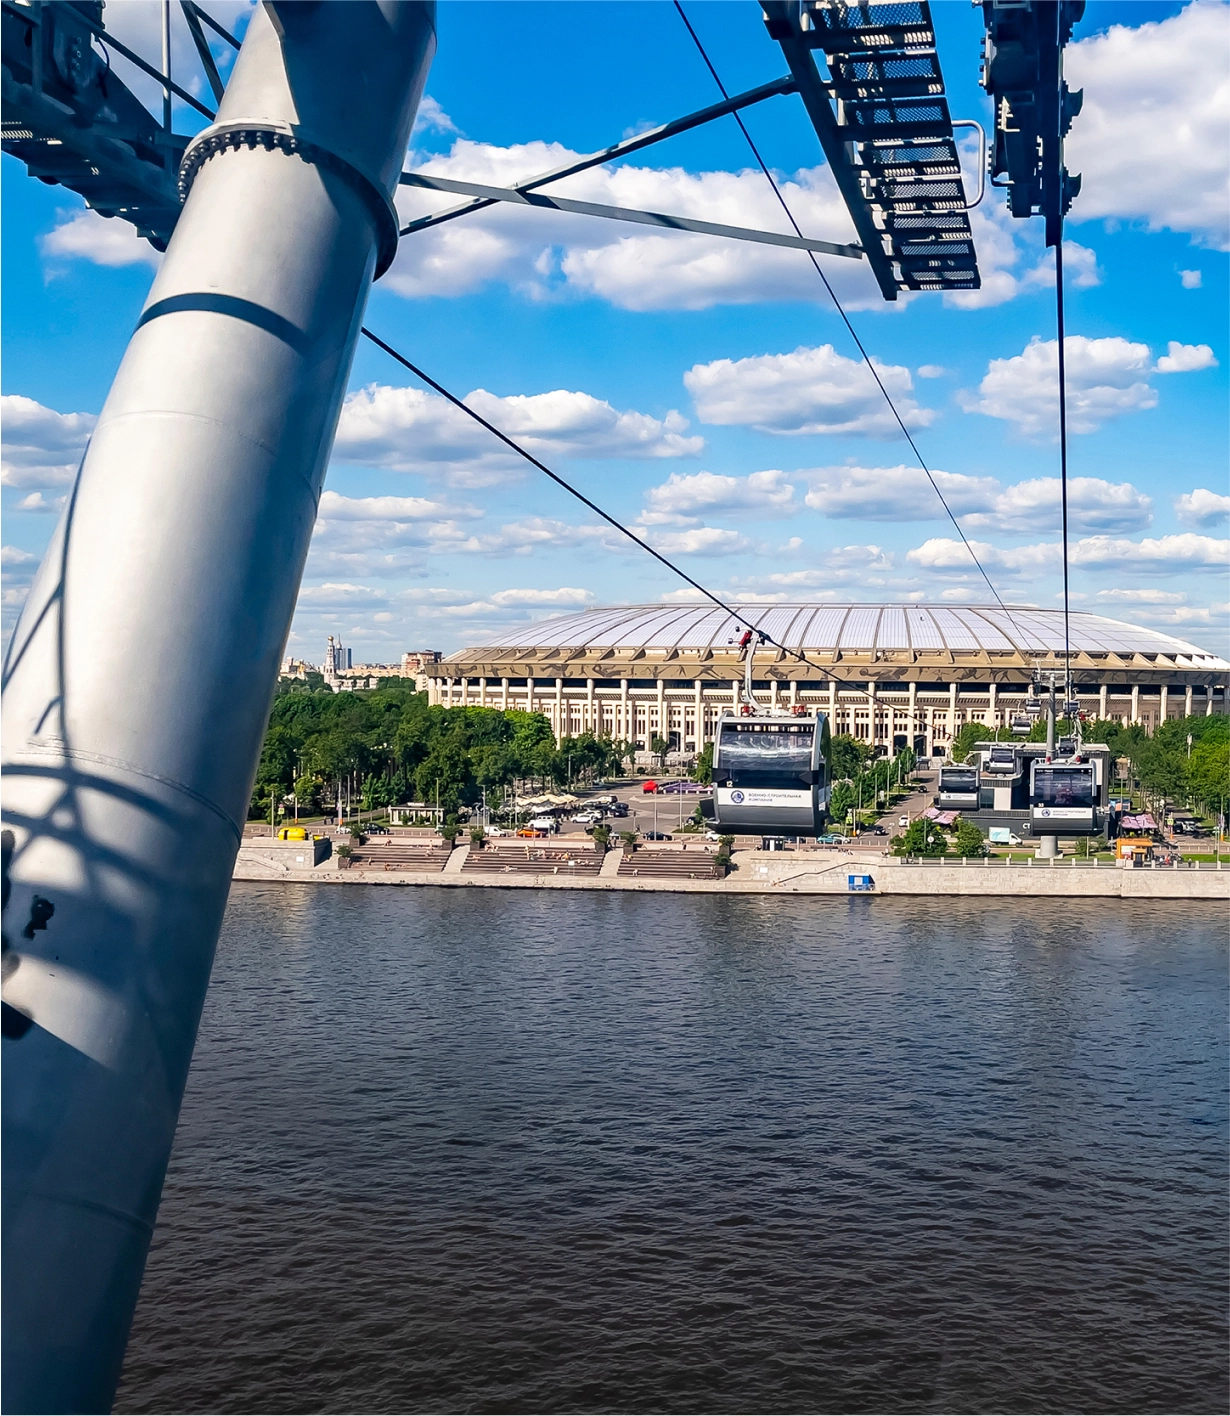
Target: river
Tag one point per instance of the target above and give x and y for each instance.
(448, 1150)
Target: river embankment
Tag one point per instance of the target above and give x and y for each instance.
(754, 872)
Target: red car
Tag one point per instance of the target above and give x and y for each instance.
(650, 787)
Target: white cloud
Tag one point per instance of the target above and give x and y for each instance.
(40, 448)
(1153, 555)
(903, 493)
(1202, 507)
(894, 493)
(1152, 142)
(946, 554)
(1185, 358)
(1143, 597)
(409, 430)
(698, 541)
(106, 241)
(683, 499)
(1080, 269)
(432, 118)
(1093, 505)
(36, 502)
(17, 567)
(1192, 279)
(931, 371)
(566, 595)
(540, 252)
(1106, 378)
(808, 391)
(334, 507)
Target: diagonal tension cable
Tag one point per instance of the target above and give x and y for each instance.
(827, 670)
(845, 318)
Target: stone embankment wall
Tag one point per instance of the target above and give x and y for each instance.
(787, 873)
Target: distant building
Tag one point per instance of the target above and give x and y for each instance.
(415, 664)
(893, 675)
(298, 669)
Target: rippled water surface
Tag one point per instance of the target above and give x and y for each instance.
(452, 1150)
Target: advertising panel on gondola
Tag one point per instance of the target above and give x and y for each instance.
(770, 774)
(1063, 797)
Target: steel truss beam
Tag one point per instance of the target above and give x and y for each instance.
(616, 150)
(520, 197)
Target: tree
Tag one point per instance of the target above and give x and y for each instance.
(1208, 774)
(841, 801)
(847, 757)
(601, 835)
(702, 768)
(969, 840)
(660, 746)
(921, 838)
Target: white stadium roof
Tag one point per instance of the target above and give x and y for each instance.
(851, 629)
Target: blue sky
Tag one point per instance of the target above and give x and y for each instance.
(703, 391)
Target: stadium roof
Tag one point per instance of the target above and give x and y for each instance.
(894, 631)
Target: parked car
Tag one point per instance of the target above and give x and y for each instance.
(833, 839)
(498, 831)
(656, 836)
(587, 818)
(650, 787)
(531, 834)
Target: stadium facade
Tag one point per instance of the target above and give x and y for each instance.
(892, 674)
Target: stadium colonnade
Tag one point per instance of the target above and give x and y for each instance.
(893, 675)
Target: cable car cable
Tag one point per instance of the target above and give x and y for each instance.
(1063, 461)
(766, 638)
(846, 320)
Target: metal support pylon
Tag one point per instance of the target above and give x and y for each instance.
(139, 679)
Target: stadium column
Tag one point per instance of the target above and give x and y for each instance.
(127, 774)
(624, 731)
(560, 727)
(1135, 703)
(1163, 711)
(504, 695)
(699, 692)
(1102, 702)
(1187, 702)
(588, 725)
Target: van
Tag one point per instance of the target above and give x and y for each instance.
(1002, 836)
(543, 823)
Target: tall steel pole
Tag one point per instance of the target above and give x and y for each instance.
(139, 679)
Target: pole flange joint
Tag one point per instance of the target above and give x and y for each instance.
(233, 137)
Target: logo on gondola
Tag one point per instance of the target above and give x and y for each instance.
(736, 798)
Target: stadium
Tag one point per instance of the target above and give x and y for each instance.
(894, 675)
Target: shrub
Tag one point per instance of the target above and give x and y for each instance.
(629, 839)
(970, 840)
(601, 835)
(477, 836)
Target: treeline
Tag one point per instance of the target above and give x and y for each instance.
(1164, 766)
(388, 746)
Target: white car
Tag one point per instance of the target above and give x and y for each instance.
(497, 831)
(543, 823)
(588, 818)
(903, 821)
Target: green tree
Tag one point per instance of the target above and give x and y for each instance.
(702, 768)
(921, 838)
(1208, 774)
(660, 746)
(847, 757)
(969, 840)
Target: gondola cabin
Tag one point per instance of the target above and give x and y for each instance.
(959, 789)
(1063, 798)
(770, 774)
